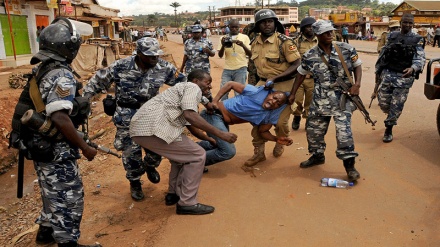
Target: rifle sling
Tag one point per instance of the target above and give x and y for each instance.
(35, 95)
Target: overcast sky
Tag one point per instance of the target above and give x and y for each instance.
(137, 7)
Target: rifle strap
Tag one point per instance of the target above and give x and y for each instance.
(35, 95)
(344, 64)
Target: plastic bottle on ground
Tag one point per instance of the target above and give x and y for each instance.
(334, 182)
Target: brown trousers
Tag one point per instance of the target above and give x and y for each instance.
(187, 160)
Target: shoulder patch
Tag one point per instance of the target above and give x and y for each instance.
(292, 48)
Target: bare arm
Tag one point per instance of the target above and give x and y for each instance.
(232, 85)
(198, 122)
(298, 81)
(199, 134)
(264, 131)
(354, 90)
(221, 52)
(185, 58)
(65, 126)
(245, 48)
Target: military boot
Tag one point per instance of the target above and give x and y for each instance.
(136, 190)
(258, 156)
(278, 150)
(296, 122)
(315, 159)
(44, 235)
(388, 136)
(352, 173)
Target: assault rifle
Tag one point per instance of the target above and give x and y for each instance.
(37, 122)
(378, 81)
(355, 99)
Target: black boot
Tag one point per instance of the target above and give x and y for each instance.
(136, 190)
(44, 235)
(388, 136)
(315, 159)
(295, 123)
(153, 175)
(352, 173)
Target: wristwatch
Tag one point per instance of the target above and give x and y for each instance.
(204, 100)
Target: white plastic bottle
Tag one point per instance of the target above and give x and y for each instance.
(334, 182)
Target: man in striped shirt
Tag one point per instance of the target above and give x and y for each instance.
(159, 125)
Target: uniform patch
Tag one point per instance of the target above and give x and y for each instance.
(62, 93)
(292, 48)
(354, 58)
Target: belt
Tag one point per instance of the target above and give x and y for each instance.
(135, 105)
(285, 78)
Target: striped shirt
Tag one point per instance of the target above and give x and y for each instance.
(162, 116)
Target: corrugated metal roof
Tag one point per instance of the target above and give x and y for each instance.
(423, 5)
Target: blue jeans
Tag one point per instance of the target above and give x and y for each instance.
(224, 150)
(239, 75)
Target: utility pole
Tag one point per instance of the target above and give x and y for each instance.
(210, 19)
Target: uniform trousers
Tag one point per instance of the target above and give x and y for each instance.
(187, 160)
(305, 89)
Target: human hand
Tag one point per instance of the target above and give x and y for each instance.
(408, 72)
(284, 140)
(269, 84)
(354, 90)
(212, 141)
(89, 153)
(211, 107)
(291, 99)
(228, 136)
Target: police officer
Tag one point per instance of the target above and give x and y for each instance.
(137, 79)
(303, 97)
(392, 26)
(276, 58)
(326, 67)
(61, 187)
(399, 63)
(197, 51)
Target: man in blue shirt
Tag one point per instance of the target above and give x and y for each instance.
(254, 105)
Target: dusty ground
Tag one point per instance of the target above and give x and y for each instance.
(396, 202)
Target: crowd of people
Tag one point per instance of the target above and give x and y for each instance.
(303, 77)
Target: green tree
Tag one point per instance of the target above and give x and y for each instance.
(175, 5)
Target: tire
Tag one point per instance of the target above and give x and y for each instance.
(438, 119)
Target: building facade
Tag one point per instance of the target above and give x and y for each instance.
(245, 14)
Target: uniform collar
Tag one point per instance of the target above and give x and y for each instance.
(271, 39)
(313, 39)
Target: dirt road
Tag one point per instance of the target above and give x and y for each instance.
(395, 203)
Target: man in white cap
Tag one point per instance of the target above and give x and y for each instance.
(323, 62)
(137, 79)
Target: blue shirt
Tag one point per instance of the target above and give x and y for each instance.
(249, 106)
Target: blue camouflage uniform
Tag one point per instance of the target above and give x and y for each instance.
(327, 98)
(394, 89)
(133, 88)
(196, 58)
(62, 190)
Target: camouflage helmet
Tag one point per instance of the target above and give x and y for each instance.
(321, 27)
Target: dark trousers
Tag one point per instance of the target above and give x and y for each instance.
(436, 40)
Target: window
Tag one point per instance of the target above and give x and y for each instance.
(247, 19)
